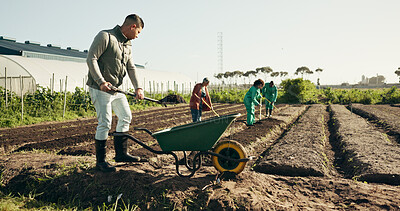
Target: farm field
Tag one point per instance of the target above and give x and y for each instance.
(308, 157)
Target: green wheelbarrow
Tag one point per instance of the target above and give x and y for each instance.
(201, 137)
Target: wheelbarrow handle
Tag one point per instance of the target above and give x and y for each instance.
(144, 129)
(115, 89)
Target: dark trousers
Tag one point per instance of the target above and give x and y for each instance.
(196, 115)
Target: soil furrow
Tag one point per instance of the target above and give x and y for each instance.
(367, 154)
(301, 152)
(384, 117)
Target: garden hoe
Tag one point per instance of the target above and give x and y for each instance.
(271, 103)
(212, 109)
(115, 89)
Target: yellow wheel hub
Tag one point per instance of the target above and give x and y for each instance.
(231, 149)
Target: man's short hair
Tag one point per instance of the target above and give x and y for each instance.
(134, 19)
(205, 80)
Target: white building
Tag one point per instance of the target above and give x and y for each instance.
(25, 66)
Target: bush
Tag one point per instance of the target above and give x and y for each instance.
(369, 96)
(298, 91)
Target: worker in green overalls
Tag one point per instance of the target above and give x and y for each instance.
(270, 92)
(251, 100)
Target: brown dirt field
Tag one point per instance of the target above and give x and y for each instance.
(367, 153)
(58, 177)
(388, 117)
(301, 152)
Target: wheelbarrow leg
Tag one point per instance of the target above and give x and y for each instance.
(195, 166)
(185, 161)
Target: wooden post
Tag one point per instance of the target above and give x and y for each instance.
(22, 97)
(162, 90)
(11, 90)
(154, 88)
(52, 84)
(175, 87)
(65, 95)
(150, 87)
(5, 87)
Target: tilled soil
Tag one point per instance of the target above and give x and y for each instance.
(385, 116)
(368, 154)
(56, 160)
(301, 152)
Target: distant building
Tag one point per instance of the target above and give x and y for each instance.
(364, 80)
(28, 65)
(376, 80)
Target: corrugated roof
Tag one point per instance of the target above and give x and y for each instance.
(8, 47)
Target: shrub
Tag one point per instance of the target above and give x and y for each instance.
(299, 91)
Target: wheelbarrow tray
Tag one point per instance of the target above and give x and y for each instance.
(196, 136)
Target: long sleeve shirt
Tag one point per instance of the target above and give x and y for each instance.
(271, 93)
(252, 96)
(110, 58)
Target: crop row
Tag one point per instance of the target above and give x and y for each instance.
(367, 154)
(301, 151)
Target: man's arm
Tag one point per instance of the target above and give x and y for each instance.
(131, 68)
(97, 48)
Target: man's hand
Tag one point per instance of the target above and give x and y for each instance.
(105, 86)
(139, 94)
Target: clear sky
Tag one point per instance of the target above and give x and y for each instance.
(346, 38)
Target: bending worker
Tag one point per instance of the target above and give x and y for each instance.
(270, 92)
(251, 100)
(109, 59)
(200, 93)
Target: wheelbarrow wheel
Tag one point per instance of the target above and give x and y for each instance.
(231, 149)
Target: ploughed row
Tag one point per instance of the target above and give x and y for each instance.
(301, 151)
(368, 154)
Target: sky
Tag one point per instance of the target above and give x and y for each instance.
(345, 38)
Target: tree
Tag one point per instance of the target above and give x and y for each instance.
(237, 74)
(249, 74)
(219, 76)
(283, 74)
(275, 74)
(398, 73)
(228, 75)
(303, 70)
(265, 70)
(318, 70)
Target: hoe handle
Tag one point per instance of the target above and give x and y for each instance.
(115, 89)
(207, 105)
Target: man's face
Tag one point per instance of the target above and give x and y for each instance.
(134, 32)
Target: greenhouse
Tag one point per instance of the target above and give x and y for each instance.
(25, 66)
